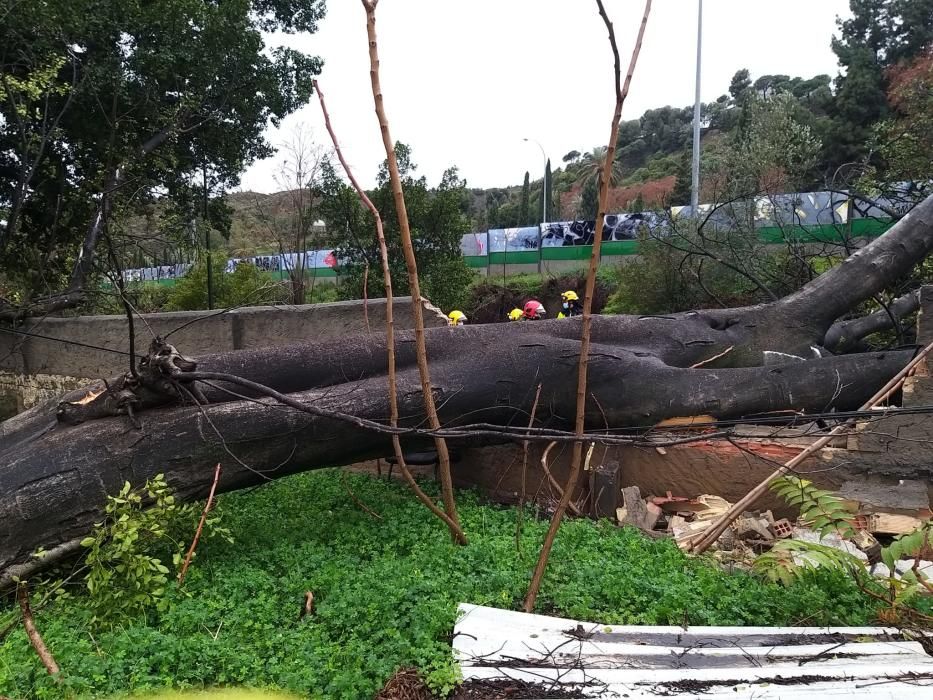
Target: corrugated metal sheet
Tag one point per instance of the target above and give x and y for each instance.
(709, 662)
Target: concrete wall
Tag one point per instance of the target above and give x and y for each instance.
(33, 369)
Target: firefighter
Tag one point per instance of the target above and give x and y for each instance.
(516, 314)
(456, 318)
(571, 304)
(534, 310)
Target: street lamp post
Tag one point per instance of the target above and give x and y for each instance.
(695, 189)
(543, 197)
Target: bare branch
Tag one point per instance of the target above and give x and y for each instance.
(451, 523)
(577, 455)
(22, 594)
(412, 265)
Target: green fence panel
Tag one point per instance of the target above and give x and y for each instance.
(610, 248)
(514, 258)
(476, 261)
(576, 252)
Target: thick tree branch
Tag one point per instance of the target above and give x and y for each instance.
(846, 335)
(868, 270)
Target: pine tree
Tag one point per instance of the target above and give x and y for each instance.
(548, 191)
(589, 200)
(524, 219)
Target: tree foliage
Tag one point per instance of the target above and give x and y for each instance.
(245, 286)
(438, 223)
(127, 102)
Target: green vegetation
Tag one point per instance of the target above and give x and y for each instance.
(437, 220)
(490, 299)
(905, 597)
(124, 579)
(246, 285)
(171, 96)
(386, 593)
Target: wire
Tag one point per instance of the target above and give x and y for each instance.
(76, 343)
(787, 421)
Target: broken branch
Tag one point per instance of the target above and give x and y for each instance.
(452, 524)
(621, 92)
(197, 534)
(22, 594)
(443, 456)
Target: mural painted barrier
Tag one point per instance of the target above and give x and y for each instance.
(810, 216)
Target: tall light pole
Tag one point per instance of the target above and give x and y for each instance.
(543, 197)
(695, 185)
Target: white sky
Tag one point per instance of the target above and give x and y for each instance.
(465, 80)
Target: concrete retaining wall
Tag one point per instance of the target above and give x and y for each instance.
(34, 369)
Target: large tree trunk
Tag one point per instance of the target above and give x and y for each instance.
(58, 462)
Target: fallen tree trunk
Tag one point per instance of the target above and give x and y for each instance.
(58, 462)
(52, 487)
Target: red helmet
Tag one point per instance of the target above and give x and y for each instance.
(534, 310)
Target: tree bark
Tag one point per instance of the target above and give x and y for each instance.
(847, 335)
(53, 485)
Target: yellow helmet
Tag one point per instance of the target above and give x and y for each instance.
(456, 318)
(515, 315)
(570, 295)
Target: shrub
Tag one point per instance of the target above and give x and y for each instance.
(245, 286)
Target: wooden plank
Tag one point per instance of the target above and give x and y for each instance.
(892, 524)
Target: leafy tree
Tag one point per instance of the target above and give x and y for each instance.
(880, 34)
(96, 94)
(911, 30)
(571, 156)
(774, 152)
(438, 223)
(740, 82)
(246, 285)
(524, 217)
(904, 141)
(680, 195)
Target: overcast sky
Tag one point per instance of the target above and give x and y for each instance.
(466, 80)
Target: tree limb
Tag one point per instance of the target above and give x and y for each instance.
(452, 524)
(844, 336)
(22, 595)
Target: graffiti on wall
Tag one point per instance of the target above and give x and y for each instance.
(616, 227)
(513, 240)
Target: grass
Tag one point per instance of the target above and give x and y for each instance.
(386, 593)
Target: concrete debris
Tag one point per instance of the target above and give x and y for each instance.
(782, 528)
(831, 539)
(685, 519)
(881, 569)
